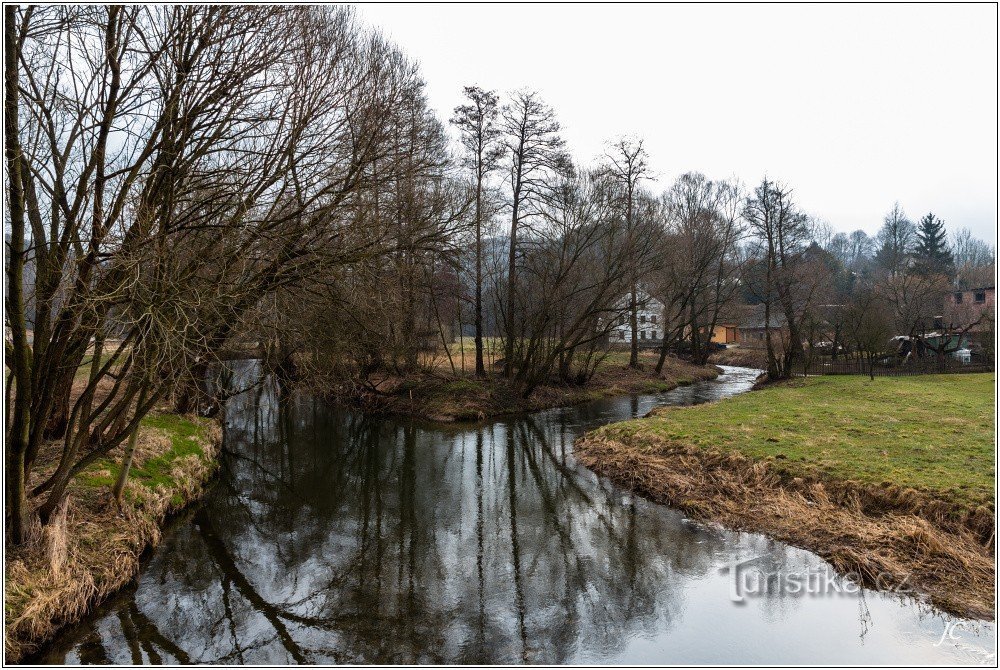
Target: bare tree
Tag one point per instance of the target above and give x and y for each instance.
(704, 226)
(179, 166)
(781, 232)
(868, 324)
(535, 157)
(577, 261)
(895, 241)
(480, 134)
(627, 165)
(975, 260)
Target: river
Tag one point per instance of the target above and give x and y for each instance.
(333, 537)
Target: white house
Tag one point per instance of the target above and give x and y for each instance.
(650, 321)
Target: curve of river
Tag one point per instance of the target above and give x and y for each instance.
(331, 537)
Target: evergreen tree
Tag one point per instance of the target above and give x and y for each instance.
(931, 252)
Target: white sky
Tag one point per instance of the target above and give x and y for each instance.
(853, 106)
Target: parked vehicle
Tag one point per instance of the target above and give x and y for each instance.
(963, 355)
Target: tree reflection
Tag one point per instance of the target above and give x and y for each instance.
(335, 537)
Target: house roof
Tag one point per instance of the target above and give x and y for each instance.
(753, 318)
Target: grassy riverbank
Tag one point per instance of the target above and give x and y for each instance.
(890, 480)
(92, 549)
(456, 397)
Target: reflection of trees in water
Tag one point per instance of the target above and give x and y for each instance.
(335, 537)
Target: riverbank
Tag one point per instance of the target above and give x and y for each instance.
(93, 547)
(446, 398)
(891, 480)
(743, 357)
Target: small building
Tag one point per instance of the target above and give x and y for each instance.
(752, 330)
(725, 333)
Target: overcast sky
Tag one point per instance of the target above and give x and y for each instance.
(853, 106)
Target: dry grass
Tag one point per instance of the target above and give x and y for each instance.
(885, 537)
(92, 548)
(742, 356)
(446, 397)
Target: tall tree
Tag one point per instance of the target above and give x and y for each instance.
(627, 165)
(17, 439)
(477, 123)
(931, 251)
(895, 241)
(175, 166)
(860, 249)
(535, 157)
(781, 232)
(867, 320)
(696, 277)
(975, 260)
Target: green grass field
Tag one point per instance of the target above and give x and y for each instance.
(187, 436)
(934, 433)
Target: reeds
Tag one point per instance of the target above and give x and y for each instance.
(885, 536)
(92, 547)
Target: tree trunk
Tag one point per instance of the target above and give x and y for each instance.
(633, 310)
(193, 397)
(119, 486)
(17, 441)
(696, 349)
(55, 427)
(508, 363)
(772, 360)
(480, 365)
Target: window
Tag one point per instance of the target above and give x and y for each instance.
(654, 334)
(979, 298)
(621, 334)
(652, 320)
(642, 335)
(642, 318)
(958, 298)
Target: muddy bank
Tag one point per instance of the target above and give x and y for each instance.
(745, 357)
(442, 398)
(93, 547)
(885, 537)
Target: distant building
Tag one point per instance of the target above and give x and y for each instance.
(724, 333)
(969, 306)
(752, 329)
(650, 321)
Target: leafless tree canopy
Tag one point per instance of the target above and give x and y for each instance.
(188, 184)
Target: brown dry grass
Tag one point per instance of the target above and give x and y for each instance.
(446, 398)
(743, 356)
(93, 547)
(887, 537)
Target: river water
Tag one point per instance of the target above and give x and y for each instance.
(332, 537)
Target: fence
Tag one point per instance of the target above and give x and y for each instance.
(890, 366)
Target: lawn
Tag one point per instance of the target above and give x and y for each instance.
(934, 433)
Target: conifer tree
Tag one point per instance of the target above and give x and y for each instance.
(931, 252)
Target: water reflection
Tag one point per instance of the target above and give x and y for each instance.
(332, 537)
